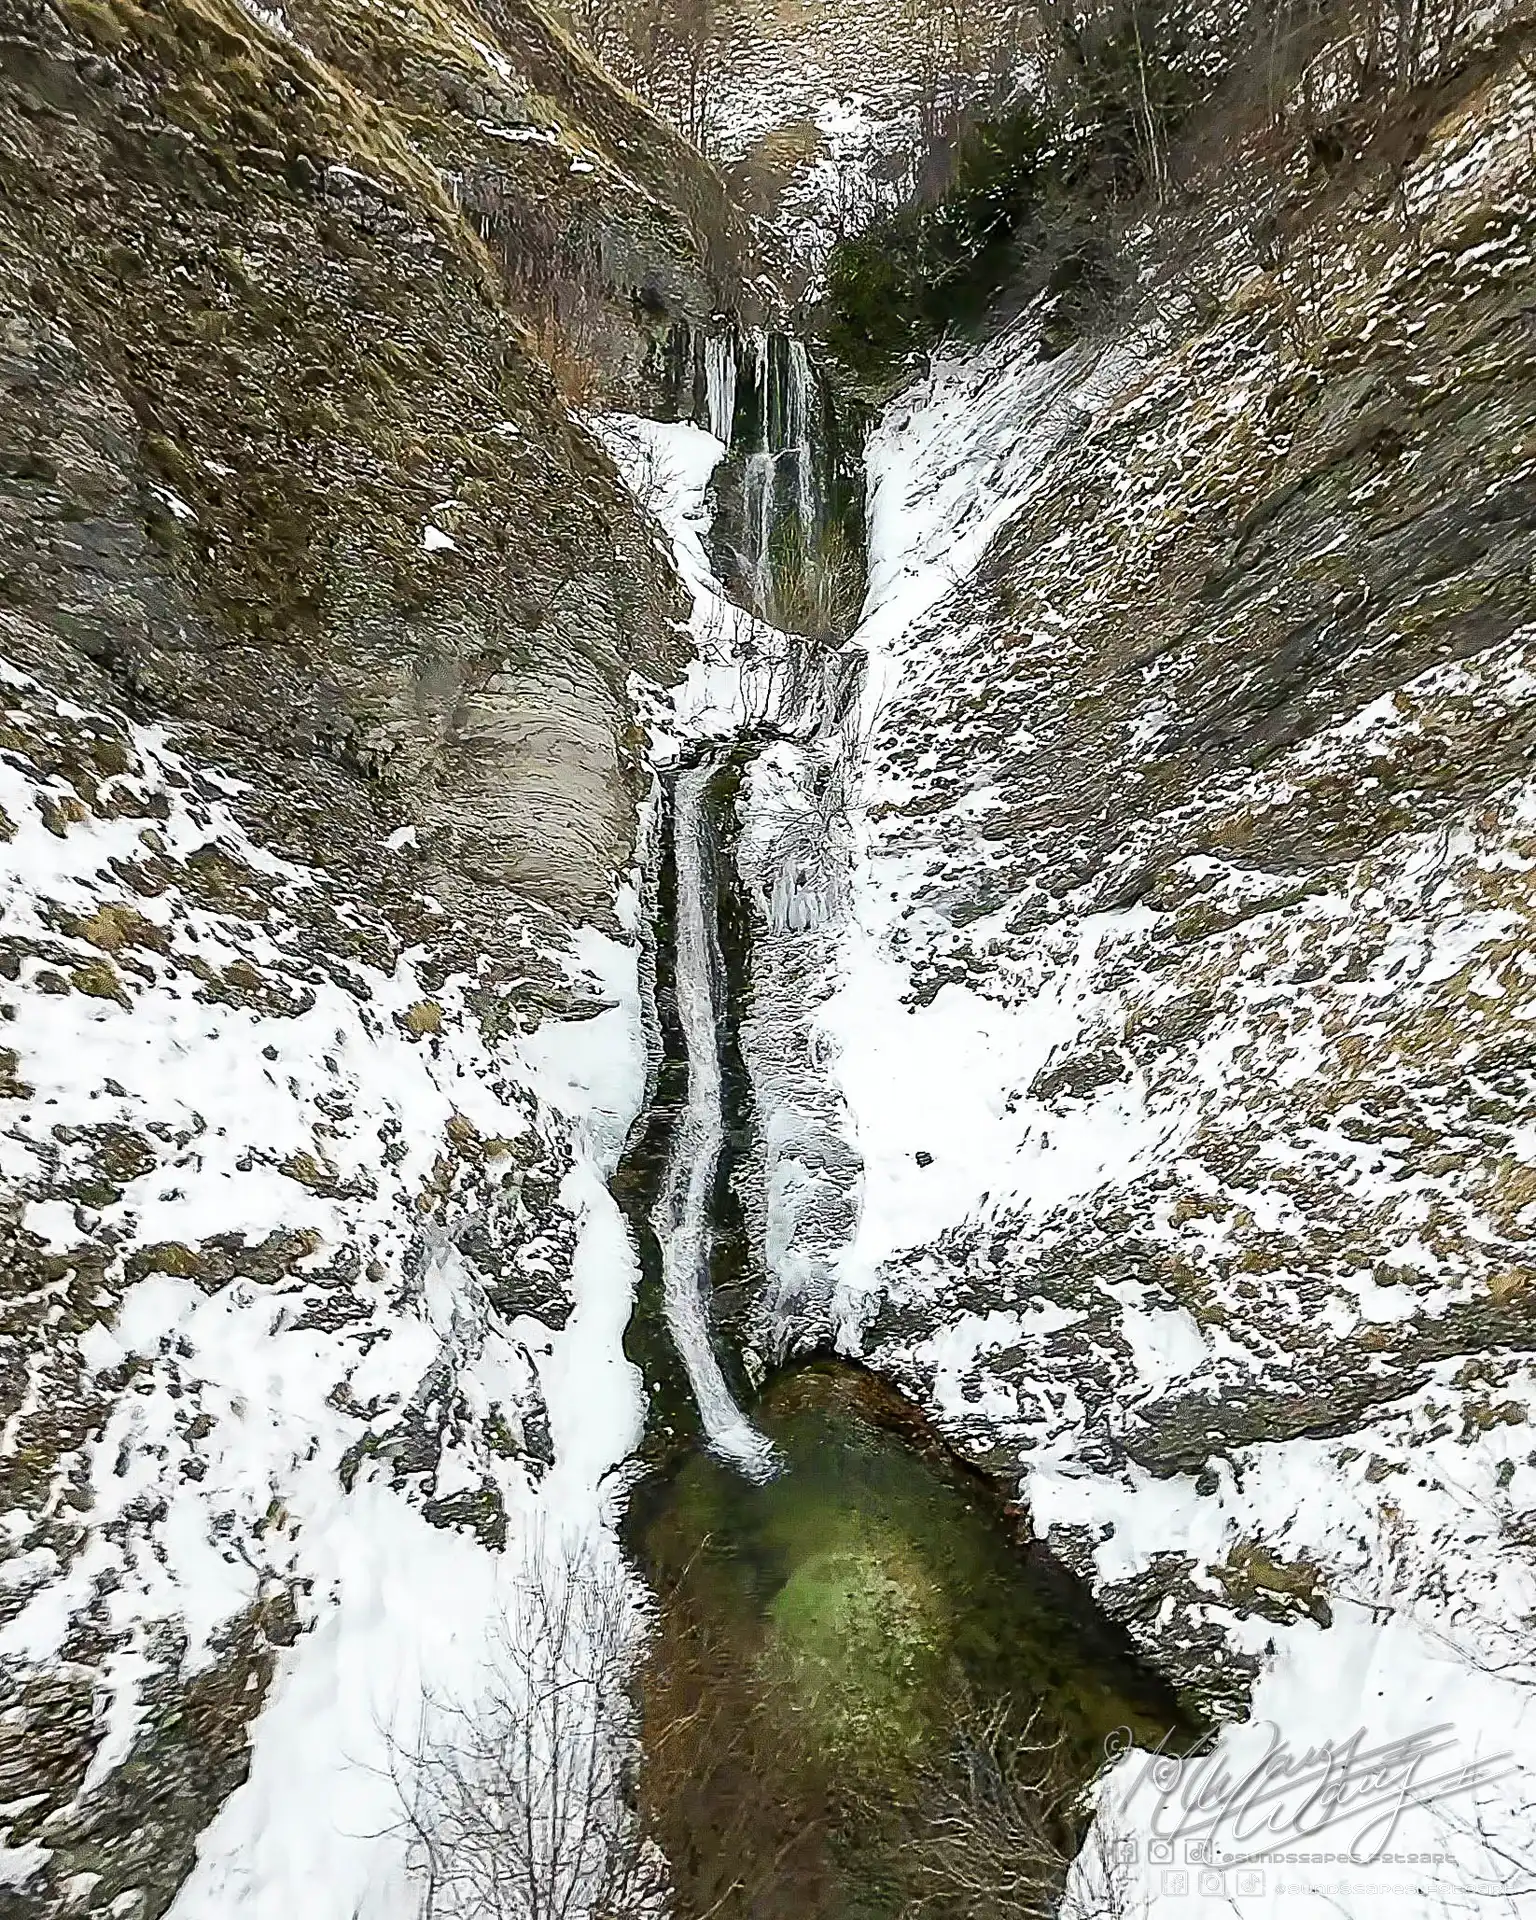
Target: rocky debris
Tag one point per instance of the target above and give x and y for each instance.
(132, 1834)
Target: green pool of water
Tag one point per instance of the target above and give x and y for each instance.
(873, 1597)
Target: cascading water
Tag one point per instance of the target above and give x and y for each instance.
(780, 468)
(799, 394)
(787, 499)
(743, 1186)
(683, 1217)
(759, 473)
(816, 1547)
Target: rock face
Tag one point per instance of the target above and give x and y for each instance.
(284, 1226)
(318, 615)
(1186, 1019)
(321, 495)
(1189, 1005)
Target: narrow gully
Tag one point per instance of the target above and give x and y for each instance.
(683, 1216)
(854, 1589)
(675, 1179)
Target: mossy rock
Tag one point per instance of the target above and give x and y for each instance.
(100, 980)
(860, 1636)
(1261, 1582)
(167, 1256)
(12, 1086)
(60, 814)
(309, 1172)
(114, 926)
(480, 1511)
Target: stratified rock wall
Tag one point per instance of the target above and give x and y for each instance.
(1190, 1009)
(331, 502)
(318, 616)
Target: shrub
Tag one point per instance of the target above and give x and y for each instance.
(815, 581)
(1028, 198)
(893, 289)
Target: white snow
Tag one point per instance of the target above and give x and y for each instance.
(1424, 1585)
(1409, 1527)
(392, 1606)
(729, 682)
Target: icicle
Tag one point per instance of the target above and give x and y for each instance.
(720, 386)
(798, 434)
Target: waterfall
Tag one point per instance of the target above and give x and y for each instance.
(684, 1214)
(785, 502)
(798, 396)
(759, 475)
(720, 386)
(779, 469)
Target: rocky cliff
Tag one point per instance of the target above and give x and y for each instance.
(1142, 1021)
(319, 616)
(1188, 1003)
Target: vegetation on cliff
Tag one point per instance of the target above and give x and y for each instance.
(1111, 121)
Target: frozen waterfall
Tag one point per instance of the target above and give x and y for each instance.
(779, 471)
(684, 1214)
(720, 386)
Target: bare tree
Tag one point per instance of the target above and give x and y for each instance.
(517, 1802)
(993, 1831)
(672, 52)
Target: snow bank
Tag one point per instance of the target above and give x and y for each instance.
(304, 1390)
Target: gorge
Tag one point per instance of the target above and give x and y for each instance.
(851, 977)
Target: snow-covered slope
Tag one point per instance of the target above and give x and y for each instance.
(315, 1302)
(1187, 1018)
(318, 770)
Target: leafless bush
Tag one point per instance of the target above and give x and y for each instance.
(570, 360)
(762, 657)
(968, 57)
(1301, 283)
(815, 581)
(517, 1803)
(640, 462)
(991, 1832)
(733, 1792)
(1100, 1888)
(590, 1777)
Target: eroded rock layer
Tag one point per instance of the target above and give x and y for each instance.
(318, 613)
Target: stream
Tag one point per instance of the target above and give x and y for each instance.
(683, 1217)
(843, 1603)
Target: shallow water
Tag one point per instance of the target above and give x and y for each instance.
(869, 1592)
(829, 1638)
